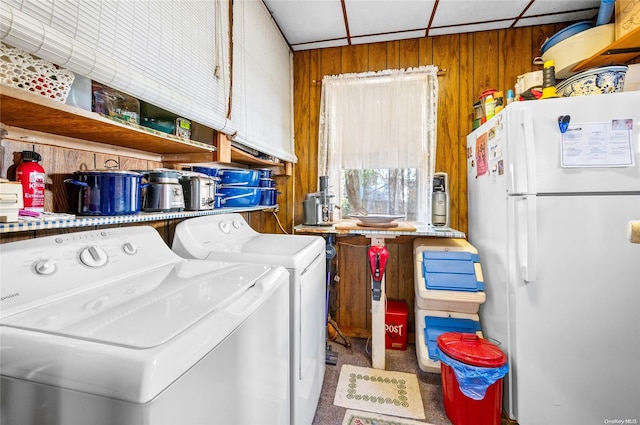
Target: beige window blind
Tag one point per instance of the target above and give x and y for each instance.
(262, 105)
(173, 54)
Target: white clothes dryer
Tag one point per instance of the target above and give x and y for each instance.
(111, 327)
(228, 237)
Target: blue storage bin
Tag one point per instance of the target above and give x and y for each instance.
(436, 326)
(451, 271)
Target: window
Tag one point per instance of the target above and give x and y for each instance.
(377, 138)
(384, 191)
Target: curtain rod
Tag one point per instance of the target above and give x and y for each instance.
(440, 73)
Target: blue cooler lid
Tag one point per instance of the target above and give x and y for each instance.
(451, 271)
(436, 326)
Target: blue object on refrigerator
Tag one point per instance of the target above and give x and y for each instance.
(451, 271)
(436, 326)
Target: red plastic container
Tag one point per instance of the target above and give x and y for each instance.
(395, 325)
(475, 351)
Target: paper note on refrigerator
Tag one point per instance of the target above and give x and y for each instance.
(481, 155)
(598, 145)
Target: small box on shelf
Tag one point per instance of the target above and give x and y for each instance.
(627, 17)
(115, 104)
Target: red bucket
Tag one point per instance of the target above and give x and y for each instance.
(474, 351)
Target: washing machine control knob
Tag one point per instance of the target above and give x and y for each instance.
(45, 267)
(224, 226)
(130, 248)
(94, 256)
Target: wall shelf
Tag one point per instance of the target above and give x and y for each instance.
(26, 110)
(86, 221)
(619, 52)
(21, 109)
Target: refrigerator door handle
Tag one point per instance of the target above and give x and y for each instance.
(524, 159)
(530, 146)
(526, 231)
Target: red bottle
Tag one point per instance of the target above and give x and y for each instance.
(33, 179)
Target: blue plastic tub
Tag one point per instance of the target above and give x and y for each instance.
(239, 177)
(240, 196)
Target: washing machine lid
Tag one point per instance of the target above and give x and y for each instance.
(290, 251)
(133, 338)
(145, 310)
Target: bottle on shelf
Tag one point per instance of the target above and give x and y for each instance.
(490, 107)
(33, 178)
(510, 96)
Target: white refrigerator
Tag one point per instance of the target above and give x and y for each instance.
(550, 213)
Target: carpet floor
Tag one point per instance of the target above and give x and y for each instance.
(402, 361)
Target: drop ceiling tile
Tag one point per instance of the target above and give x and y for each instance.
(388, 37)
(471, 28)
(384, 16)
(541, 7)
(455, 12)
(309, 20)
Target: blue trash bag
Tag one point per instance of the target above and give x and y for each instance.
(473, 381)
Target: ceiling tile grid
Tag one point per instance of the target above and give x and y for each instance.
(313, 24)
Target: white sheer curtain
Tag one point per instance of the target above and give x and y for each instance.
(381, 120)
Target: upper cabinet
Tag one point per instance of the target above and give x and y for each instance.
(622, 50)
(32, 112)
(29, 111)
(232, 75)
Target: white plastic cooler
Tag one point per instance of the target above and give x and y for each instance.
(449, 288)
(452, 286)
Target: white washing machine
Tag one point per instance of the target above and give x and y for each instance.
(112, 327)
(228, 237)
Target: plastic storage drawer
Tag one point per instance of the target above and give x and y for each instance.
(457, 322)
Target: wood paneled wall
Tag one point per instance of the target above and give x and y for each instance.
(471, 63)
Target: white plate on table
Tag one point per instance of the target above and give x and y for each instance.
(377, 220)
